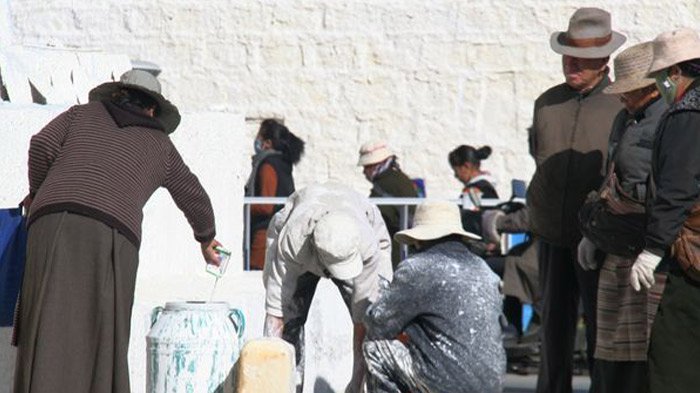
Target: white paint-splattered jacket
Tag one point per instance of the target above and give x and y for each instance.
(447, 301)
(290, 253)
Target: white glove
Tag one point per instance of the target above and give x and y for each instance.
(489, 221)
(586, 255)
(643, 270)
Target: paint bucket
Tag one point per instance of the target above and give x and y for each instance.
(192, 347)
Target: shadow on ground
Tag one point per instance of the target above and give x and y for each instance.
(322, 386)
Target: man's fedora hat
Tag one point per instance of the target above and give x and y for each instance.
(167, 113)
(631, 67)
(589, 35)
(673, 47)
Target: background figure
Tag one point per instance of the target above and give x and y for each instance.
(520, 280)
(447, 302)
(91, 171)
(478, 184)
(621, 340)
(380, 167)
(673, 216)
(568, 141)
(276, 151)
(324, 231)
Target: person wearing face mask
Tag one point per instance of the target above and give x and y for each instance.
(277, 150)
(380, 167)
(673, 216)
(613, 223)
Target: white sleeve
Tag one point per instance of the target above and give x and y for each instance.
(274, 271)
(384, 267)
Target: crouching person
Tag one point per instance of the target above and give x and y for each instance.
(324, 230)
(447, 302)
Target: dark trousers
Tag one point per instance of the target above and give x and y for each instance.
(674, 347)
(620, 377)
(562, 283)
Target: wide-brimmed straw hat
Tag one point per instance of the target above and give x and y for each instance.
(673, 47)
(589, 35)
(434, 220)
(337, 239)
(167, 113)
(374, 152)
(631, 67)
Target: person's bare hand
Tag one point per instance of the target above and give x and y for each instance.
(211, 256)
(27, 202)
(274, 326)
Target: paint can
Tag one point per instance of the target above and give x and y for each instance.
(192, 347)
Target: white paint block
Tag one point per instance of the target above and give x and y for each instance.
(266, 365)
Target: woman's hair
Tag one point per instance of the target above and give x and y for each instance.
(135, 100)
(466, 153)
(282, 139)
(690, 68)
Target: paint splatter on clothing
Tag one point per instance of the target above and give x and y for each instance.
(447, 301)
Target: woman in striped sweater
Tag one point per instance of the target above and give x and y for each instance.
(91, 171)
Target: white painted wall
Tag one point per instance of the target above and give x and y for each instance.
(171, 267)
(426, 75)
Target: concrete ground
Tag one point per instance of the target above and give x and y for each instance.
(526, 384)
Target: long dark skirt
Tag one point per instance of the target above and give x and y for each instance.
(75, 307)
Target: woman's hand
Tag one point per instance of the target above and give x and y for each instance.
(27, 202)
(211, 256)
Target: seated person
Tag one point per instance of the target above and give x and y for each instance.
(447, 302)
(520, 270)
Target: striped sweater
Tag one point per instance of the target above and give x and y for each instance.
(105, 162)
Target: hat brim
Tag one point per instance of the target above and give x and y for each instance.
(431, 232)
(168, 114)
(558, 44)
(627, 85)
(370, 160)
(661, 64)
(346, 270)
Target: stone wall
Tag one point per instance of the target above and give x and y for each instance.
(427, 76)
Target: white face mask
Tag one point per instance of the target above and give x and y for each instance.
(258, 145)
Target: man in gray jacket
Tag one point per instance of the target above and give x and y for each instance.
(568, 140)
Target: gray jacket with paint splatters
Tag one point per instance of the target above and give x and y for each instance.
(447, 301)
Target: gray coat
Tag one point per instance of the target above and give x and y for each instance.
(569, 141)
(447, 301)
(631, 143)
